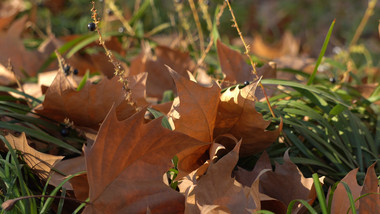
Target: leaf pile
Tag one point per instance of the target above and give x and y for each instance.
(132, 145)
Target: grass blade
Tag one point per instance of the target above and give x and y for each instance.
(39, 135)
(83, 81)
(49, 201)
(322, 53)
(320, 193)
(307, 205)
(165, 123)
(306, 87)
(349, 193)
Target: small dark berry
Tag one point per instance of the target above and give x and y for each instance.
(207, 2)
(332, 80)
(66, 69)
(75, 72)
(110, 12)
(91, 26)
(246, 83)
(65, 132)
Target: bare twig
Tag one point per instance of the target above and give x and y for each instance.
(249, 57)
(368, 13)
(198, 24)
(119, 70)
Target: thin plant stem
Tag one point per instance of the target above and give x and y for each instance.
(119, 15)
(185, 25)
(119, 71)
(10, 68)
(368, 13)
(208, 48)
(206, 16)
(198, 24)
(249, 57)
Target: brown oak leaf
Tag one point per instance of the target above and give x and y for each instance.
(159, 79)
(39, 162)
(293, 184)
(288, 46)
(67, 167)
(246, 177)
(12, 47)
(368, 204)
(194, 115)
(125, 166)
(87, 107)
(218, 191)
(237, 116)
(236, 69)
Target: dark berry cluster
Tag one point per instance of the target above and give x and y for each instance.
(67, 70)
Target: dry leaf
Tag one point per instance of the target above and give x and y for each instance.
(287, 183)
(8, 10)
(128, 160)
(194, 116)
(95, 62)
(217, 190)
(80, 186)
(87, 107)
(236, 69)
(233, 65)
(68, 167)
(288, 46)
(237, 116)
(21, 58)
(6, 76)
(159, 79)
(39, 162)
(246, 177)
(368, 204)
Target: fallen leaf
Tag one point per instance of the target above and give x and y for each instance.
(194, 115)
(246, 177)
(67, 167)
(236, 69)
(198, 105)
(288, 46)
(87, 107)
(22, 59)
(237, 116)
(39, 162)
(368, 204)
(128, 160)
(6, 76)
(217, 190)
(159, 79)
(80, 186)
(287, 183)
(233, 65)
(9, 10)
